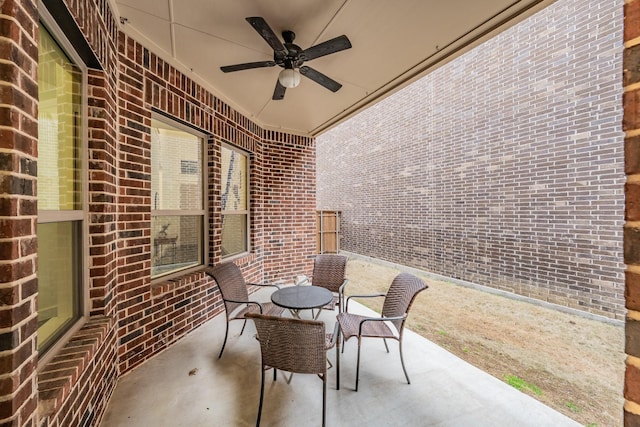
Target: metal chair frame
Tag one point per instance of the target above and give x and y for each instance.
(295, 346)
(235, 296)
(398, 300)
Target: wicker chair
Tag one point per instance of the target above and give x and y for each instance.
(296, 346)
(395, 310)
(235, 296)
(329, 272)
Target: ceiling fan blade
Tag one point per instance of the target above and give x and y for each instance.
(325, 48)
(261, 26)
(247, 66)
(320, 78)
(278, 92)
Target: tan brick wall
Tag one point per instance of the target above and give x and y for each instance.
(631, 126)
(503, 167)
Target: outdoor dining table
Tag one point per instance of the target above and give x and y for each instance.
(297, 298)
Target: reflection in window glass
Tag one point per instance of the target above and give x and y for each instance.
(234, 234)
(58, 279)
(60, 212)
(177, 216)
(59, 90)
(235, 205)
(176, 242)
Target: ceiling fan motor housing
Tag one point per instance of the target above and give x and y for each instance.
(294, 57)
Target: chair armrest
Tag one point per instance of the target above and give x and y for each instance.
(378, 319)
(346, 306)
(239, 302)
(263, 285)
(303, 282)
(245, 302)
(334, 337)
(341, 295)
(341, 288)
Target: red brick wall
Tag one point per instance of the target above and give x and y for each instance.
(288, 205)
(154, 316)
(631, 125)
(503, 167)
(129, 319)
(18, 153)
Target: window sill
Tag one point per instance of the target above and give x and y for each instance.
(167, 286)
(59, 376)
(244, 256)
(170, 284)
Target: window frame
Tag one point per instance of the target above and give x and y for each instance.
(48, 22)
(202, 212)
(246, 212)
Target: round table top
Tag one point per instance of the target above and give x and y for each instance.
(301, 297)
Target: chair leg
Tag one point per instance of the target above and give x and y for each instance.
(358, 363)
(338, 361)
(243, 325)
(385, 344)
(261, 398)
(402, 361)
(226, 333)
(324, 398)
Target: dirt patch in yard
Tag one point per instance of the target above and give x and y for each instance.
(568, 362)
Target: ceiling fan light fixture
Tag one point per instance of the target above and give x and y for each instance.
(289, 77)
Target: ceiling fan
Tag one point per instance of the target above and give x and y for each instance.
(291, 57)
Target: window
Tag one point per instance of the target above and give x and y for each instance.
(235, 202)
(177, 206)
(60, 191)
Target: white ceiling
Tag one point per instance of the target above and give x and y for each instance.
(394, 42)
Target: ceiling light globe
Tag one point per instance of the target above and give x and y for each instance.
(289, 77)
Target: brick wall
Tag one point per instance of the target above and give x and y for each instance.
(87, 368)
(18, 151)
(288, 205)
(631, 126)
(129, 318)
(503, 167)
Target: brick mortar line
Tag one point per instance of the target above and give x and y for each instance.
(14, 108)
(631, 87)
(17, 86)
(631, 407)
(633, 361)
(632, 42)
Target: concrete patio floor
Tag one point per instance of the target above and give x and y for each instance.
(444, 390)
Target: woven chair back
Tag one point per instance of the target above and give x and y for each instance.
(291, 345)
(231, 284)
(400, 296)
(329, 271)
